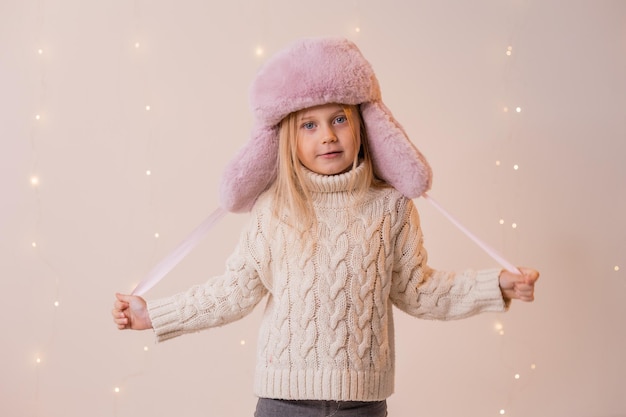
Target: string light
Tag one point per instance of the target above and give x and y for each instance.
(357, 29)
(516, 167)
(533, 366)
(498, 163)
(517, 376)
(137, 45)
(518, 109)
(616, 268)
(56, 303)
(243, 342)
(501, 221)
(505, 109)
(40, 51)
(38, 360)
(259, 51)
(37, 117)
(509, 51)
(145, 348)
(34, 244)
(502, 412)
(34, 181)
(148, 172)
(116, 390)
(147, 107)
(156, 235)
(514, 225)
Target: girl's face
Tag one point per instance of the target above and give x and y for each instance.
(326, 143)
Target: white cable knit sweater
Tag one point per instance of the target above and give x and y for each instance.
(327, 329)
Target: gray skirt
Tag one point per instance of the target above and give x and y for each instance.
(267, 407)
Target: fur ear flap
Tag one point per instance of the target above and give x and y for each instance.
(396, 160)
(251, 171)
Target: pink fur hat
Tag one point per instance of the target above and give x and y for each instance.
(308, 73)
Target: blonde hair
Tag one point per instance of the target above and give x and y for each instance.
(292, 198)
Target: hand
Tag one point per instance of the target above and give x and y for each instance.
(131, 312)
(521, 287)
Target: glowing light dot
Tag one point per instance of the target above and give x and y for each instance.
(259, 51)
(508, 53)
(516, 167)
(498, 326)
(518, 109)
(56, 303)
(506, 109)
(514, 225)
(616, 268)
(148, 108)
(533, 366)
(34, 244)
(148, 172)
(357, 29)
(38, 360)
(501, 333)
(137, 45)
(502, 412)
(145, 348)
(243, 342)
(116, 389)
(40, 51)
(34, 181)
(156, 235)
(37, 117)
(517, 376)
(501, 221)
(498, 163)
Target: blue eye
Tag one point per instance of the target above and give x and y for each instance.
(341, 119)
(308, 125)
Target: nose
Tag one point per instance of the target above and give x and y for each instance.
(329, 136)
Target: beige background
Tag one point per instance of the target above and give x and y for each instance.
(446, 76)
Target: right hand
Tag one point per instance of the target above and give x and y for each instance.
(131, 312)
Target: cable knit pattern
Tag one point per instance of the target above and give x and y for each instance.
(327, 329)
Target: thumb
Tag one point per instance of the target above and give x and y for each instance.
(123, 297)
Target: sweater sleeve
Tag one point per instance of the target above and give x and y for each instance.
(221, 300)
(424, 292)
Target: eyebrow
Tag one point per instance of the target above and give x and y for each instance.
(306, 116)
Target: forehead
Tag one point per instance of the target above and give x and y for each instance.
(321, 110)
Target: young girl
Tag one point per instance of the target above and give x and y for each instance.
(334, 242)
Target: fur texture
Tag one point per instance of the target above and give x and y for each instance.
(308, 73)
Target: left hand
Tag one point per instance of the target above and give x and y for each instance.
(521, 287)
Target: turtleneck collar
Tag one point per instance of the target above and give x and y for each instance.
(333, 190)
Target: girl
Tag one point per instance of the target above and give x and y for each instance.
(334, 242)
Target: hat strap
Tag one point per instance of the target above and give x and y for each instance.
(170, 261)
(489, 250)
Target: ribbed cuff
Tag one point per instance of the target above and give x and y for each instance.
(165, 318)
(488, 294)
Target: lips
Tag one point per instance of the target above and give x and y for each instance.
(331, 153)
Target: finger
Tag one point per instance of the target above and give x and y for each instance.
(530, 274)
(526, 294)
(124, 298)
(120, 305)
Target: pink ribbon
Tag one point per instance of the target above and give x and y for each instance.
(170, 261)
(489, 250)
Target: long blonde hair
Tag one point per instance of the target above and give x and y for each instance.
(292, 198)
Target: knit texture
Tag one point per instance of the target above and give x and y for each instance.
(327, 329)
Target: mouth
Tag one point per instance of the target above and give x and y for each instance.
(330, 154)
